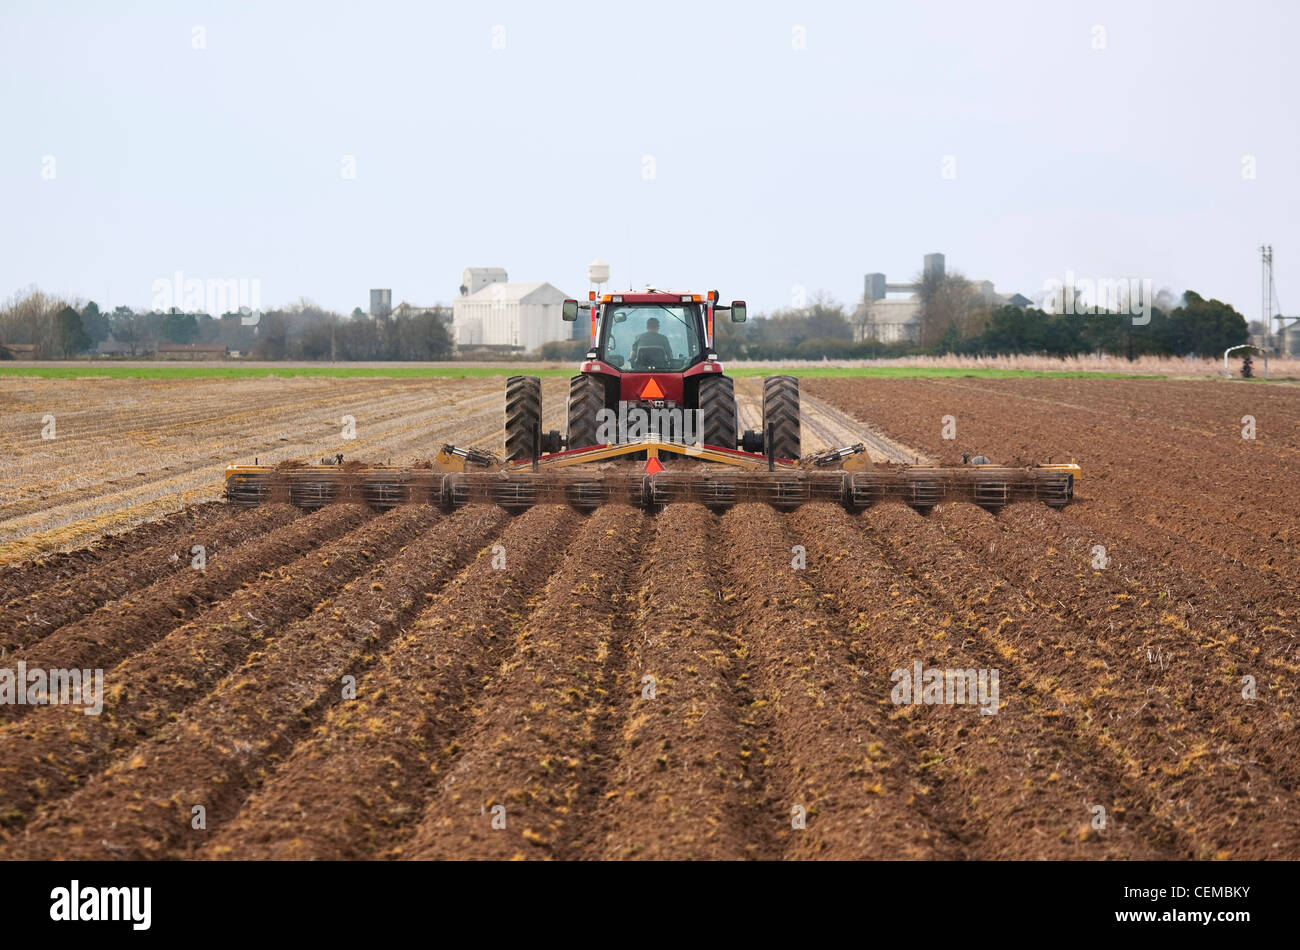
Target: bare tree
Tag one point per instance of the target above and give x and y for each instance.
(950, 305)
(28, 317)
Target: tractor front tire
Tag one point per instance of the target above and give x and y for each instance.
(523, 416)
(781, 416)
(718, 411)
(586, 399)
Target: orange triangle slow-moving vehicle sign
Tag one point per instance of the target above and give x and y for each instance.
(653, 466)
(651, 390)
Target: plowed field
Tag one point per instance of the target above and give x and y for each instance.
(89, 457)
(420, 685)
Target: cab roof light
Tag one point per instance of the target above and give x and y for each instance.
(617, 298)
(686, 298)
(591, 295)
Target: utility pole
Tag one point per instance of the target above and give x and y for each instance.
(1266, 293)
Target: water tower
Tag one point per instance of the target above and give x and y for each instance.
(597, 277)
(597, 274)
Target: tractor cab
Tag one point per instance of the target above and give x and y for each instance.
(653, 342)
(667, 332)
(645, 337)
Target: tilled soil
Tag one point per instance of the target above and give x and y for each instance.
(25, 577)
(53, 602)
(415, 685)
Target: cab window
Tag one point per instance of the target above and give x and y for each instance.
(642, 338)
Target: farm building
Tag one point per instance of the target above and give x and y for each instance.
(20, 351)
(191, 351)
(492, 312)
(381, 302)
(893, 321)
(1289, 337)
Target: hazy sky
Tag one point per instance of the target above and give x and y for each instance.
(755, 148)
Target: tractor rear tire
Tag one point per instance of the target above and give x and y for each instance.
(781, 416)
(523, 416)
(586, 399)
(719, 419)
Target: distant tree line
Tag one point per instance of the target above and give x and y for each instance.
(309, 333)
(952, 319)
(1196, 327)
(63, 329)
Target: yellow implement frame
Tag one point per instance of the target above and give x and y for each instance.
(653, 448)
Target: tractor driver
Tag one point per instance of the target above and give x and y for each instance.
(651, 339)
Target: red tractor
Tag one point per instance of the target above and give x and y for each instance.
(652, 356)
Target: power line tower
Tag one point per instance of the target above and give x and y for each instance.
(1266, 293)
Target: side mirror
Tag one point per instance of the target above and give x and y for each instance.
(620, 317)
(738, 311)
(569, 313)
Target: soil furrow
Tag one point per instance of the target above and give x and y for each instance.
(43, 612)
(222, 746)
(1182, 639)
(25, 577)
(839, 785)
(58, 748)
(1112, 707)
(688, 778)
(113, 632)
(532, 759)
(1021, 779)
(357, 786)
